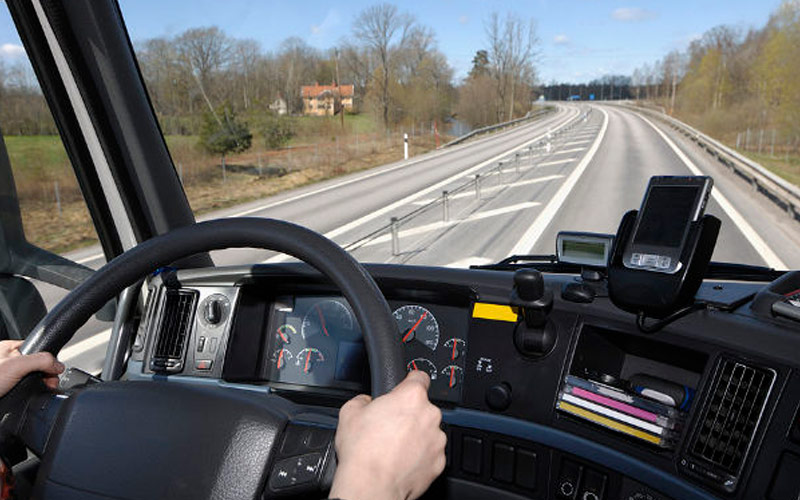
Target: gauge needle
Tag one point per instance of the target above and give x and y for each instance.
(454, 349)
(452, 373)
(283, 337)
(414, 365)
(308, 358)
(280, 359)
(322, 321)
(408, 334)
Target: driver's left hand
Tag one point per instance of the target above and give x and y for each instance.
(14, 366)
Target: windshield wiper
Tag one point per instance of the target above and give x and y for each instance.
(550, 264)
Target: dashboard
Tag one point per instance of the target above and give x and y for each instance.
(587, 420)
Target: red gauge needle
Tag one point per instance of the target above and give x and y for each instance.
(280, 359)
(452, 373)
(414, 365)
(283, 337)
(322, 321)
(408, 334)
(308, 358)
(454, 349)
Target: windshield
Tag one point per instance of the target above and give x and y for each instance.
(459, 134)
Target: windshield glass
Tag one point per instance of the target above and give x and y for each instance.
(376, 124)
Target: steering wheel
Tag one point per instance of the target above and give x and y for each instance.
(154, 439)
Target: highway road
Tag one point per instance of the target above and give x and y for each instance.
(580, 168)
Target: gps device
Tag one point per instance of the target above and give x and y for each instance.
(671, 205)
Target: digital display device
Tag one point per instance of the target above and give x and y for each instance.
(671, 204)
(585, 249)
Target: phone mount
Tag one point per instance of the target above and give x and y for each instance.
(658, 295)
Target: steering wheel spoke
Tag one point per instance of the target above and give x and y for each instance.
(305, 460)
(27, 415)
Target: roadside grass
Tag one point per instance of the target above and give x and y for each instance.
(56, 218)
(786, 166)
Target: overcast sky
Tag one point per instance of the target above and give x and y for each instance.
(579, 39)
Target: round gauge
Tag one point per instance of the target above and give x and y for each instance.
(285, 333)
(422, 364)
(326, 317)
(417, 323)
(455, 347)
(454, 375)
(308, 358)
(281, 358)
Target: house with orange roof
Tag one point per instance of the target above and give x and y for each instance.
(326, 100)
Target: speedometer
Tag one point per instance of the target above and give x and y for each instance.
(417, 324)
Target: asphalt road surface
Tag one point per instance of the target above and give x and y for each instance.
(579, 168)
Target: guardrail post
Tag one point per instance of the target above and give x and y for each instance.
(478, 186)
(405, 146)
(445, 206)
(516, 162)
(395, 236)
(530, 153)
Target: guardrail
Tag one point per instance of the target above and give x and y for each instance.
(512, 163)
(490, 128)
(778, 190)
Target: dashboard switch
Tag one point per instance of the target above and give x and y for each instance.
(568, 479)
(503, 463)
(498, 397)
(594, 485)
(203, 365)
(526, 469)
(471, 455)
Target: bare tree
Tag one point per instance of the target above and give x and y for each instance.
(512, 52)
(383, 29)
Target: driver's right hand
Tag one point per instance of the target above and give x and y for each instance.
(392, 447)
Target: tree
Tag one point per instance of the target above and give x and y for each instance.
(222, 133)
(480, 64)
(277, 130)
(512, 50)
(384, 30)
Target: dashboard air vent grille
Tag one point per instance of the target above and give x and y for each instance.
(729, 420)
(175, 325)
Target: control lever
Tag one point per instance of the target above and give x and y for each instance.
(74, 378)
(535, 336)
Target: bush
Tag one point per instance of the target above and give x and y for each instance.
(222, 133)
(278, 131)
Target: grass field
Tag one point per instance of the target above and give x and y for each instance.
(55, 216)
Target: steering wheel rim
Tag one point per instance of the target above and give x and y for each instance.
(369, 305)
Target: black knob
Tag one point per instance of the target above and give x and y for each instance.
(498, 397)
(213, 312)
(529, 284)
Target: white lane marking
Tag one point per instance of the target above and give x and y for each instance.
(544, 218)
(575, 143)
(471, 194)
(565, 151)
(469, 261)
(554, 162)
(433, 226)
(766, 253)
(408, 199)
(70, 353)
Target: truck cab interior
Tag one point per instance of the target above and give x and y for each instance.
(566, 377)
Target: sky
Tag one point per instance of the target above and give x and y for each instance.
(579, 39)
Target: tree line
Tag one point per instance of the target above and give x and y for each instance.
(399, 75)
(729, 80)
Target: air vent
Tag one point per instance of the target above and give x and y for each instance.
(726, 429)
(174, 327)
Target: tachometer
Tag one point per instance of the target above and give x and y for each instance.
(326, 318)
(417, 324)
(422, 364)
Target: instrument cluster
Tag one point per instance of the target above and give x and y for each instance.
(316, 341)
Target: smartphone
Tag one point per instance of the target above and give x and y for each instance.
(671, 204)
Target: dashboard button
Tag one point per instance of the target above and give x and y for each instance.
(594, 485)
(306, 467)
(201, 344)
(282, 474)
(503, 463)
(525, 472)
(471, 454)
(203, 365)
(568, 479)
(498, 397)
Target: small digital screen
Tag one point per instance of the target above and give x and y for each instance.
(583, 250)
(667, 212)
